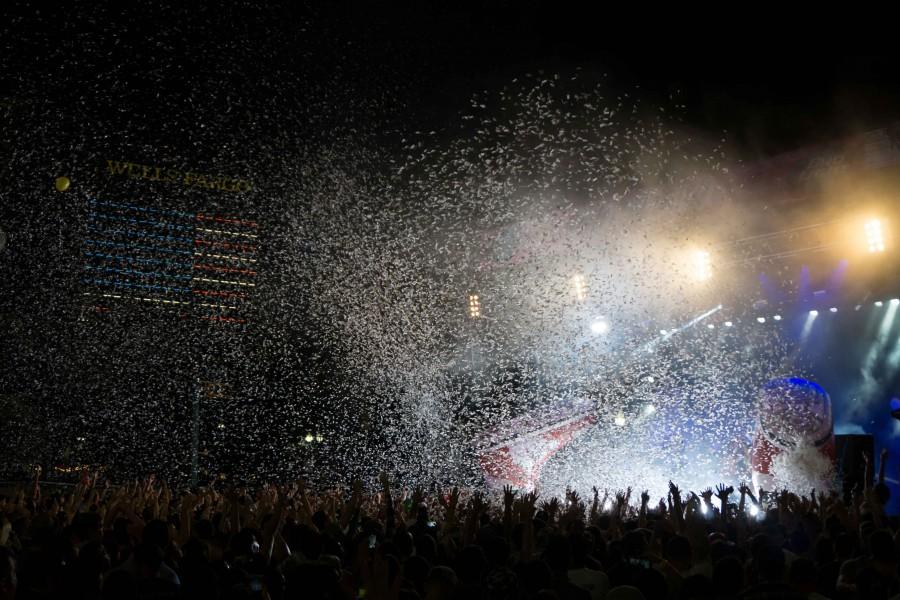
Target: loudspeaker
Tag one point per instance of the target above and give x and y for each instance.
(851, 467)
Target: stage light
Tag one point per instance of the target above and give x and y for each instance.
(728, 323)
(811, 317)
(620, 420)
(710, 326)
(754, 510)
(221, 426)
(580, 286)
(874, 236)
(760, 319)
(607, 506)
(320, 438)
(309, 438)
(650, 379)
(702, 265)
(600, 326)
(663, 332)
(879, 303)
(777, 317)
(474, 306)
(895, 301)
(650, 409)
(703, 508)
(833, 309)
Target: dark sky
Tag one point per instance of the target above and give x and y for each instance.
(774, 85)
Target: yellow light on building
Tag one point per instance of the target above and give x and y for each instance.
(874, 235)
(474, 306)
(701, 266)
(580, 287)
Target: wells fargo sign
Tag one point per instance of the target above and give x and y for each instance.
(188, 178)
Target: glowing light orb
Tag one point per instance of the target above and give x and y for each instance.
(600, 326)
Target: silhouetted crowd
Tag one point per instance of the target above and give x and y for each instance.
(145, 540)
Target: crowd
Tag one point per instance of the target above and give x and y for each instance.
(146, 540)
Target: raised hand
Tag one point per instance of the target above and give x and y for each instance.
(645, 497)
(509, 496)
(453, 499)
(723, 492)
(675, 492)
(526, 507)
(357, 492)
(477, 504)
(573, 498)
(551, 507)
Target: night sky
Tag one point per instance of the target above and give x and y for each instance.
(771, 85)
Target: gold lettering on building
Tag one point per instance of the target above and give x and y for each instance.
(132, 170)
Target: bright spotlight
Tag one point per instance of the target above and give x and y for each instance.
(807, 325)
(710, 326)
(320, 438)
(663, 332)
(650, 379)
(600, 326)
(650, 409)
(895, 301)
(620, 420)
(754, 510)
(703, 508)
(777, 317)
(580, 287)
(879, 303)
(309, 438)
(474, 306)
(760, 319)
(874, 236)
(728, 323)
(833, 309)
(701, 265)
